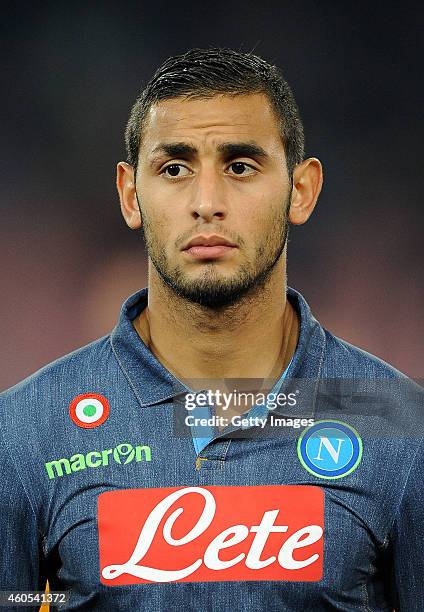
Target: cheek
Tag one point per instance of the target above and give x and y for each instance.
(155, 205)
(267, 212)
(157, 219)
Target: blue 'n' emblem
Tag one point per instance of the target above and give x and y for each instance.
(330, 449)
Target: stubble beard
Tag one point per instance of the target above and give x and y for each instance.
(211, 289)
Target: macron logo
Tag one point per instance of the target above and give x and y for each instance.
(122, 454)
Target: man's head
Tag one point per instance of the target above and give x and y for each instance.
(204, 73)
(215, 150)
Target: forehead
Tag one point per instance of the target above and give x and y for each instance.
(242, 117)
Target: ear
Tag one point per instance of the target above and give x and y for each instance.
(125, 184)
(307, 183)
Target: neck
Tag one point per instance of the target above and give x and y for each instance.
(254, 338)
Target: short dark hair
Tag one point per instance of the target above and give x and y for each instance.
(204, 73)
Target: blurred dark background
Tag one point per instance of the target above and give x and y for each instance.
(71, 71)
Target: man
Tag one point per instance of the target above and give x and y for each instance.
(121, 485)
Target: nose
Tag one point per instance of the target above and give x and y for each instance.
(208, 198)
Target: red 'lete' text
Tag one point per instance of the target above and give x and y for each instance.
(197, 534)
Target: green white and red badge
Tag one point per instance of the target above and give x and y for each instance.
(89, 410)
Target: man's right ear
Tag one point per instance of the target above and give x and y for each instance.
(125, 183)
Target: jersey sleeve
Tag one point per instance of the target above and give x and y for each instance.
(21, 559)
(407, 540)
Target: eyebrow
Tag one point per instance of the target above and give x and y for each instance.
(226, 149)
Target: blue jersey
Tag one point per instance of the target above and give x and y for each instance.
(314, 502)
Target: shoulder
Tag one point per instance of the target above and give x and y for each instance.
(35, 420)
(64, 376)
(389, 402)
(334, 357)
(342, 359)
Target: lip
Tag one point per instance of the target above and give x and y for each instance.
(209, 252)
(208, 241)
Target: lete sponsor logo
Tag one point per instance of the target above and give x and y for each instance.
(198, 534)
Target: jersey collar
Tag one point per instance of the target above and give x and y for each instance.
(153, 384)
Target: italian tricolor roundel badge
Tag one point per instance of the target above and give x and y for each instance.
(89, 410)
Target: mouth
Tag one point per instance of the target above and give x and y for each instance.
(209, 247)
(209, 252)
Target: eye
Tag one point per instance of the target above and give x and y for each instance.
(242, 169)
(175, 171)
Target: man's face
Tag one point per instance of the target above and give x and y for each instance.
(213, 170)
